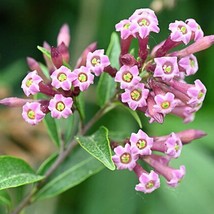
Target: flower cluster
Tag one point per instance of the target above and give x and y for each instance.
(154, 82)
(62, 84)
(157, 153)
(150, 81)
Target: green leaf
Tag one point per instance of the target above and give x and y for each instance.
(68, 127)
(51, 124)
(106, 85)
(44, 51)
(105, 89)
(45, 70)
(133, 113)
(113, 51)
(80, 102)
(53, 129)
(74, 170)
(98, 145)
(5, 198)
(16, 172)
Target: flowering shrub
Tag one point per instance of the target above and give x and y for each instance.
(151, 81)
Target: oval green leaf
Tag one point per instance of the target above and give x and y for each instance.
(98, 145)
(16, 172)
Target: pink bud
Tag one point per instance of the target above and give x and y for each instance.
(201, 44)
(82, 60)
(187, 136)
(56, 57)
(64, 35)
(14, 101)
(63, 49)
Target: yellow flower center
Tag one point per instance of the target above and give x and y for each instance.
(150, 184)
(136, 95)
(125, 158)
(31, 114)
(167, 69)
(182, 29)
(200, 95)
(29, 82)
(192, 63)
(95, 61)
(82, 77)
(62, 77)
(126, 26)
(143, 22)
(60, 106)
(127, 76)
(141, 144)
(165, 105)
(177, 147)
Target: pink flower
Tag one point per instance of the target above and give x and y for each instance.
(189, 64)
(60, 106)
(196, 93)
(173, 145)
(124, 28)
(141, 143)
(165, 103)
(136, 96)
(176, 176)
(97, 61)
(82, 78)
(127, 76)
(180, 32)
(148, 182)
(30, 84)
(195, 28)
(124, 157)
(62, 78)
(166, 68)
(32, 113)
(144, 21)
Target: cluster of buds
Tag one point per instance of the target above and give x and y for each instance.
(151, 81)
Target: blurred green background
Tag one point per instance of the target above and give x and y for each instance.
(24, 24)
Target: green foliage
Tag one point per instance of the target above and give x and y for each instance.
(75, 169)
(53, 129)
(98, 145)
(5, 199)
(16, 172)
(113, 50)
(133, 113)
(105, 89)
(44, 51)
(106, 85)
(80, 102)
